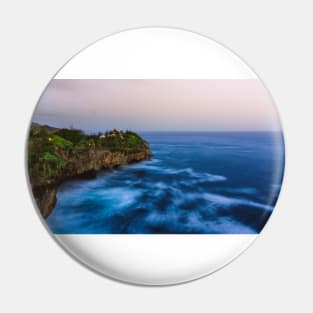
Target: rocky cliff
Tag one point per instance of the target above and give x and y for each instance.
(59, 155)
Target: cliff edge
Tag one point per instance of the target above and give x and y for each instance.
(56, 155)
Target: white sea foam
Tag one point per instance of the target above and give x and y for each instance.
(202, 177)
(120, 196)
(228, 201)
(223, 225)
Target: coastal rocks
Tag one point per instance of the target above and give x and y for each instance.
(45, 197)
(85, 165)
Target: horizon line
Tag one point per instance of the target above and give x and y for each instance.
(167, 131)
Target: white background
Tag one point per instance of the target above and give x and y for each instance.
(275, 38)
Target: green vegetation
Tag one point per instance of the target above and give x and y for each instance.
(51, 163)
(127, 142)
(60, 142)
(51, 150)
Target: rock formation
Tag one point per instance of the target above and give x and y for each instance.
(56, 155)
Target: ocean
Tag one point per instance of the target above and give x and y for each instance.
(195, 183)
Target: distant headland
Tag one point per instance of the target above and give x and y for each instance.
(56, 155)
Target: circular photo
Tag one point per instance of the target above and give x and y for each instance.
(155, 156)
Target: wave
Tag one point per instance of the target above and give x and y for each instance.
(201, 176)
(174, 192)
(188, 172)
(159, 208)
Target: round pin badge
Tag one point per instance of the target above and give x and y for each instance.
(155, 156)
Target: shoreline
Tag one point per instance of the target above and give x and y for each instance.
(46, 194)
(58, 155)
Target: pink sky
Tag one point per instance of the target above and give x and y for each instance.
(173, 104)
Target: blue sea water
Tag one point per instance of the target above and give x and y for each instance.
(195, 183)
